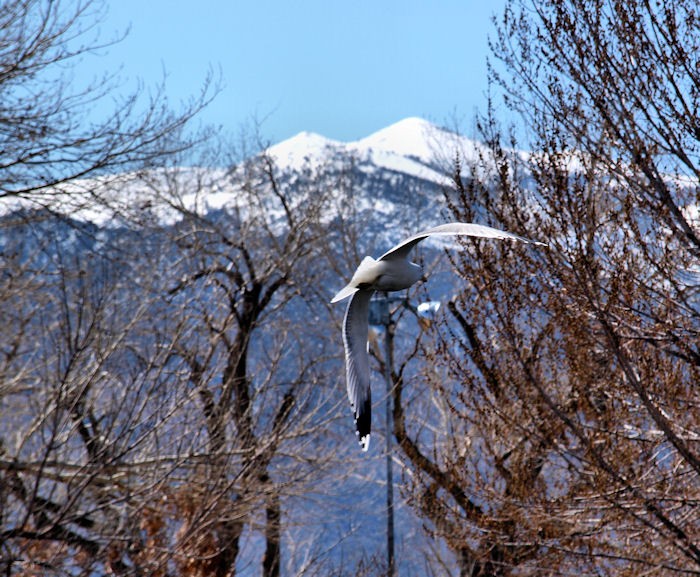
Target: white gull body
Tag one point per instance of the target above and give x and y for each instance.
(390, 272)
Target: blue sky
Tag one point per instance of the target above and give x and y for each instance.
(342, 69)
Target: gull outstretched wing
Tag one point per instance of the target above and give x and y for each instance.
(355, 328)
(402, 249)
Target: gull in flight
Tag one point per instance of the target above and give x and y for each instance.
(390, 272)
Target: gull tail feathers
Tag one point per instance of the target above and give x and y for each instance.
(345, 293)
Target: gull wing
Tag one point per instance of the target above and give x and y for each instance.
(402, 249)
(355, 328)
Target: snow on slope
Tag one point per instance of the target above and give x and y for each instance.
(306, 148)
(408, 137)
(418, 140)
(411, 147)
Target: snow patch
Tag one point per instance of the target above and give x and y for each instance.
(409, 137)
(306, 148)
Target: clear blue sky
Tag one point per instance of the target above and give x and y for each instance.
(342, 69)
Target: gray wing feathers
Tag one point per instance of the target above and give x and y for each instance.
(355, 328)
(402, 249)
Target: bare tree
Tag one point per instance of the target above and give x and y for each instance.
(78, 393)
(181, 379)
(254, 368)
(570, 441)
(48, 136)
(78, 415)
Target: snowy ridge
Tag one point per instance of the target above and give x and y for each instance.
(412, 146)
(411, 149)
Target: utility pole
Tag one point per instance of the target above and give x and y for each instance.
(380, 315)
(388, 369)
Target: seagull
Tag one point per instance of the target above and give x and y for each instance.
(390, 272)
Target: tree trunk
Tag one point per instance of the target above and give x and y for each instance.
(273, 538)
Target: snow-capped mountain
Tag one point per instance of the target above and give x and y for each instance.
(405, 163)
(412, 146)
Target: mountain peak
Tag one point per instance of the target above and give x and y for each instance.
(411, 137)
(410, 125)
